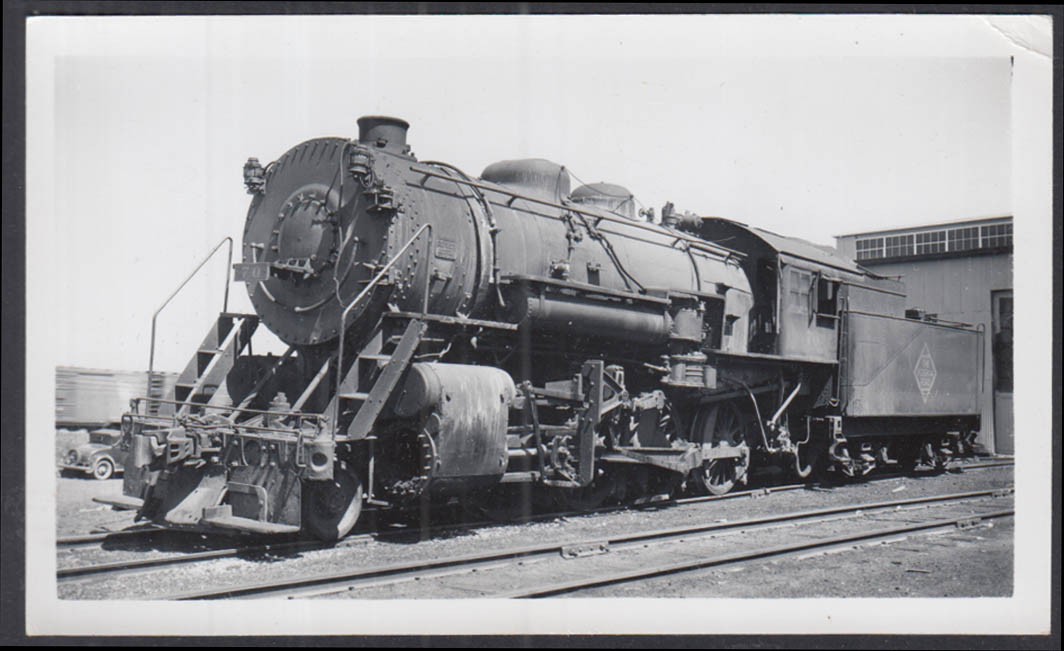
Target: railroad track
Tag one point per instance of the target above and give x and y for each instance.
(288, 546)
(366, 579)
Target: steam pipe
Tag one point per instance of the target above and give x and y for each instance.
(779, 412)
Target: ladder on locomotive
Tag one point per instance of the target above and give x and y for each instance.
(843, 353)
(156, 392)
(203, 379)
(370, 379)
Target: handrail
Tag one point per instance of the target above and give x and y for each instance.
(205, 406)
(225, 304)
(710, 247)
(361, 295)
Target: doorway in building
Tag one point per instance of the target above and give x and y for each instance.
(1001, 355)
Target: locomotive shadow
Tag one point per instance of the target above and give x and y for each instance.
(423, 523)
(251, 548)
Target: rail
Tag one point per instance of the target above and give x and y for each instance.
(349, 580)
(365, 292)
(225, 302)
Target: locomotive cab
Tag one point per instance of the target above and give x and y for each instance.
(801, 290)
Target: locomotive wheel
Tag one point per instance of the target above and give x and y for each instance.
(936, 459)
(721, 424)
(909, 458)
(331, 508)
(103, 469)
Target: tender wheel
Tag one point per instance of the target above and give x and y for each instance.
(103, 469)
(936, 459)
(331, 508)
(909, 458)
(721, 425)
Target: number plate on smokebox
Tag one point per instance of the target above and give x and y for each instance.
(251, 271)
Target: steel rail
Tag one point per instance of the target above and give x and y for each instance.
(428, 532)
(115, 568)
(760, 492)
(757, 554)
(337, 581)
(646, 503)
(121, 567)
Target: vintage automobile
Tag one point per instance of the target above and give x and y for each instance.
(100, 457)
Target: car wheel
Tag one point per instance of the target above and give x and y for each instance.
(103, 469)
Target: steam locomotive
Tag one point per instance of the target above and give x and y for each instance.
(450, 335)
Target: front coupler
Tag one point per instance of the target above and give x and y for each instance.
(211, 472)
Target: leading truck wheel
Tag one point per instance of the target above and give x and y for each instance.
(331, 508)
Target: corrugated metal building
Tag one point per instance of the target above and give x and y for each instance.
(959, 271)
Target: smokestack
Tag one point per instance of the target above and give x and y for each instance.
(383, 132)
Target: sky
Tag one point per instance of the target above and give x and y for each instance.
(812, 126)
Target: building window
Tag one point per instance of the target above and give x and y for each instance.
(964, 239)
(997, 235)
(933, 242)
(899, 245)
(871, 248)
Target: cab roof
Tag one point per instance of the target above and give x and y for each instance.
(725, 232)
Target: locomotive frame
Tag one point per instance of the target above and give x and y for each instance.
(504, 330)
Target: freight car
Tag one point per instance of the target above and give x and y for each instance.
(93, 398)
(449, 335)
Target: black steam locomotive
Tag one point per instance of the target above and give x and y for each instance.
(449, 335)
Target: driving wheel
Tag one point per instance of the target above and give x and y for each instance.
(722, 426)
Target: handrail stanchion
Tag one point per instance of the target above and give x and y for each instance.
(228, 268)
(154, 317)
(361, 295)
(428, 280)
